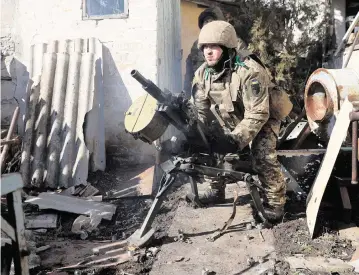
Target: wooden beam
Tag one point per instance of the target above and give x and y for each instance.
(337, 137)
(8, 229)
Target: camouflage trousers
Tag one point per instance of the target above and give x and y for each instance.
(265, 163)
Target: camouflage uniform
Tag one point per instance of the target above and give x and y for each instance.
(195, 58)
(242, 95)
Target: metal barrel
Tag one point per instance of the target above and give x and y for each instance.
(149, 86)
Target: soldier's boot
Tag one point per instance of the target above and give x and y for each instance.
(274, 205)
(215, 194)
(273, 213)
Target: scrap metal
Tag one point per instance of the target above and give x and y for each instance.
(324, 95)
(228, 223)
(65, 87)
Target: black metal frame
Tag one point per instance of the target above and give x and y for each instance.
(192, 168)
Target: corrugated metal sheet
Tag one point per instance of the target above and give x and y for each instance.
(64, 121)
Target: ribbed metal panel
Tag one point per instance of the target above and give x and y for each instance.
(64, 122)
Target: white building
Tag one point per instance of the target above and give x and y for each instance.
(135, 34)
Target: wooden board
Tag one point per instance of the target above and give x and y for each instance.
(337, 137)
(10, 183)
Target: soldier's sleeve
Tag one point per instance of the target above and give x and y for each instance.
(256, 109)
(200, 101)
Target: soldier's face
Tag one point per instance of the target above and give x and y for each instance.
(212, 54)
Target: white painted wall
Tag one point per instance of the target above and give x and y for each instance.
(132, 43)
(8, 75)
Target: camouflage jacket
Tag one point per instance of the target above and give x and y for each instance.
(240, 98)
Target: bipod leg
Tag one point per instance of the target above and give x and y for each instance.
(193, 197)
(253, 190)
(145, 233)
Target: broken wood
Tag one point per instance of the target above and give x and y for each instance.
(319, 264)
(111, 246)
(8, 229)
(88, 191)
(41, 221)
(337, 137)
(10, 183)
(8, 137)
(99, 261)
(73, 205)
(261, 236)
(16, 140)
(4, 133)
(42, 248)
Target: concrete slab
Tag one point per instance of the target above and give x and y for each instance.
(319, 264)
(226, 255)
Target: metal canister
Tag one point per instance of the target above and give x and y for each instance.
(143, 121)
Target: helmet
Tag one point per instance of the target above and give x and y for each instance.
(220, 33)
(215, 13)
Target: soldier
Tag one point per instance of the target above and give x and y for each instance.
(240, 87)
(195, 59)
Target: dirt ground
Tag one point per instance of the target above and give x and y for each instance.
(227, 255)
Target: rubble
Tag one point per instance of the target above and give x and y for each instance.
(42, 248)
(41, 221)
(179, 259)
(319, 264)
(72, 205)
(84, 225)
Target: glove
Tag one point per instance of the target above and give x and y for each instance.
(229, 135)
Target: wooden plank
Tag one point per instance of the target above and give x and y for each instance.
(73, 205)
(88, 191)
(6, 148)
(15, 210)
(8, 229)
(10, 183)
(41, 221)
(337, 137)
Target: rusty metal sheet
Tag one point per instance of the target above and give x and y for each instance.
(64, 122)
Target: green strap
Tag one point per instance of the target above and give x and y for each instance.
(239, 63)
(208, 72)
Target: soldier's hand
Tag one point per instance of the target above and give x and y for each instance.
(229, 135)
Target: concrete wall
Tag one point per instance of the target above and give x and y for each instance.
(130, 43)
(8, 74)
(169, 52)
(190, 31)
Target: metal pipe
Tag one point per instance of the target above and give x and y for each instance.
(354, 116)
(349, 31)
(16, 140)
(8, 137)
(291, 127)
(355, 152)
(302, 137)
(149, 86)
(351, 51)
